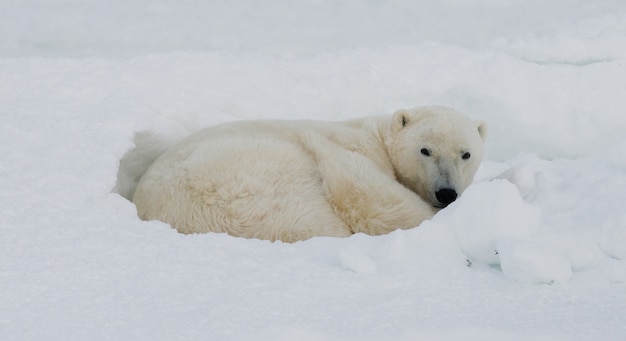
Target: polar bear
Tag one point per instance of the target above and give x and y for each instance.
(293, 180)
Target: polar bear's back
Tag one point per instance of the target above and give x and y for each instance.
(244, 179)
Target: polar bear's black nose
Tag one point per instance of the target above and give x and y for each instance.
(446, 196)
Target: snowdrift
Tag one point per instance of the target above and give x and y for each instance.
(535, 249)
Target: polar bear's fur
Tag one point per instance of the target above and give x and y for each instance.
(293, 180)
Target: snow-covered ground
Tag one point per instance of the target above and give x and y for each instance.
(534, 250)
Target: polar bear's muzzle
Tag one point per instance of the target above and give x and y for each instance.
(445, 196)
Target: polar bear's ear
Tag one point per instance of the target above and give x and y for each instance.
(482, 129)
(400, 119)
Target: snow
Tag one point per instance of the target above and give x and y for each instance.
(534, 250)
(479, 221)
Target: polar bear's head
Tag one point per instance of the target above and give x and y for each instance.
(435, 151)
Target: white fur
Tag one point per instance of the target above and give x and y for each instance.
(148, 147)
(293, 180)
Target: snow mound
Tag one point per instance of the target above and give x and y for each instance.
(532, 262)
(486, 213)
(614, 240)
(356, 260)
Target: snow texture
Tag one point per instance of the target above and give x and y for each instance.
(535, 249)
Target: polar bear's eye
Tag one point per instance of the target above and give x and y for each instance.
(466, 156)
(425, 152)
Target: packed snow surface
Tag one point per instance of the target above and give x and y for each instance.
(535, 249)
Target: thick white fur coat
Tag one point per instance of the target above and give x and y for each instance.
(287, 180)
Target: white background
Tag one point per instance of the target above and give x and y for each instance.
(79, 78)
